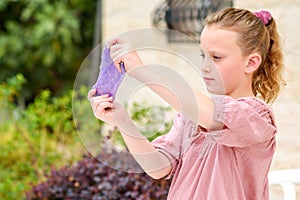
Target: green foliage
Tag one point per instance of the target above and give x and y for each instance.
(33, 138)
(46, 41)
(152, 119)
(42, 135)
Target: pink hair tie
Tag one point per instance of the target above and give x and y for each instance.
(264, 16)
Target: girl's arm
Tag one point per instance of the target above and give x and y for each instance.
(153, 162)
(193, 104)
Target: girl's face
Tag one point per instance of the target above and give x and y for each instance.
(223, 62)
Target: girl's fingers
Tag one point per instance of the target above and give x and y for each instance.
(101, 109)
(95, 101)
(103, 98)
(116, 40)
(91, 94)
(103, 106)
(117, 58)
(121, 53)
(117, 51)
(116, 54)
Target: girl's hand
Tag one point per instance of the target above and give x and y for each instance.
(107, 111)
(123, 51)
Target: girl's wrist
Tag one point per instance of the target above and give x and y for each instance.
(137, 72)
(132, 67)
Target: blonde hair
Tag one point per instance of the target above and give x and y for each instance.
(254, 36)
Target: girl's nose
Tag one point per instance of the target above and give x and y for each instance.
(205, 69)
(206, 65)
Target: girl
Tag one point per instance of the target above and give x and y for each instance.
(225, 150)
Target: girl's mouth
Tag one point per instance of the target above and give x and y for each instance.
(207, 79)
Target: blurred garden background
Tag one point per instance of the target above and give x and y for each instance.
(42, 46)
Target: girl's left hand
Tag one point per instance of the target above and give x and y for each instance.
(123, 51)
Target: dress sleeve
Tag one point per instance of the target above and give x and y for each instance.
(170, 144)
(246, 121)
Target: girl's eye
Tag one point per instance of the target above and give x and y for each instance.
(202, 57)
(216, 57)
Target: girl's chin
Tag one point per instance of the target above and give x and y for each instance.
(215, 91)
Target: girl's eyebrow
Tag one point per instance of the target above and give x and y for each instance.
(211, 51)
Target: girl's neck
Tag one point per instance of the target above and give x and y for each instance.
(240, 94)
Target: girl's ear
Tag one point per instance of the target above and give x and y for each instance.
(254, 61)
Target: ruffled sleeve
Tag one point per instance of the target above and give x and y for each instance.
(247, 120)
(170, 144)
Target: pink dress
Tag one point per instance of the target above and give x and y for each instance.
(231, 163)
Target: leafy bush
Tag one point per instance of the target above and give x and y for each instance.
(46, 41)
(42, 136)
(33, 138)
(103, 176)
(90, 179)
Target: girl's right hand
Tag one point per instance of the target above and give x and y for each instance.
(107, 111)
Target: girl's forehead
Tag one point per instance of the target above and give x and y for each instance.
(213, 37)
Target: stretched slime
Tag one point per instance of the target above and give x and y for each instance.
(109, 78)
